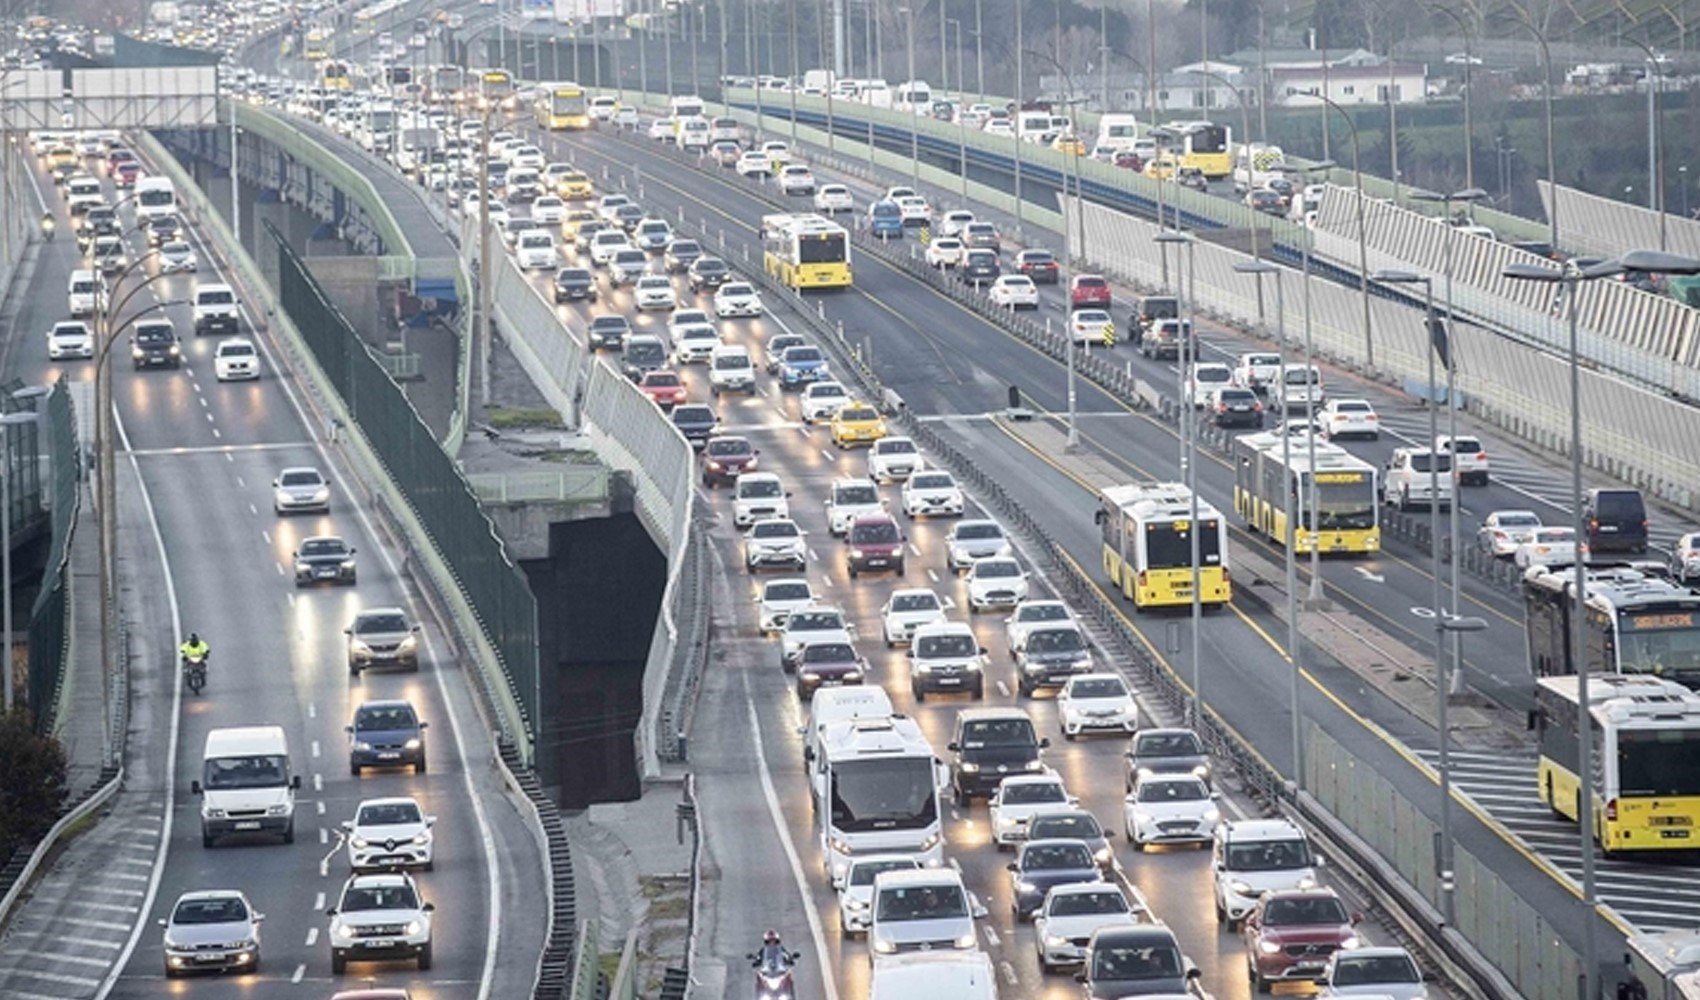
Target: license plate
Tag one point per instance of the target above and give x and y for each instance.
(210, 956)
(327, 572)
(377, 944)
(1241, 409)
(878, 562)
(247, 824)
(389, 756)
(954, 680)
(1310, 964)
(1674, 834)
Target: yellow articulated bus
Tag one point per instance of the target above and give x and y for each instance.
(1198, 144)
(496, 86)
(1347, 517)
(1148, 533)
(806, 251)
(563, 106)
(1647, 741)
(316, 46)
(334, 75)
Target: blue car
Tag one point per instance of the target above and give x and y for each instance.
(885, 220)
(800, 365)
(386, 734)
(1045, 864)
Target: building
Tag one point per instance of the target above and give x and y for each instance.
(1348, 85)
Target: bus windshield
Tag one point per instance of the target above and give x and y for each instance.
(1673, 654)
(1167, 547)
(892, 794)
(826, 249)
(1658, 762)
(1343, 506)
(568, 102)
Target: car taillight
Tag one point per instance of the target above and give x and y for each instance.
(1141, 578)
(1481, 456)
(1611, 810)
(1257, 407)
(1593, 523)
(1372, 418)
(1221, 407)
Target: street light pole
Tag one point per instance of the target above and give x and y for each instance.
(1189, 458)
(909, 88)
(1655, 132)
(1363, 243)
(1315, 599)
(1469, 132)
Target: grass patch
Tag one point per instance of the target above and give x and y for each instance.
(609, 964)
(671, 908)
(505, 417)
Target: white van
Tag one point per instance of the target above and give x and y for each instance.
(914, 96)
(81, 292)
(935, 975)
(685, 106)
(1117, 131)
(1407, 481)
(928, 909)
(155, 196)
(1030, 125)
(694, 133)
(836, 704)
(246, 786)
(1300, 384)
(730, 369)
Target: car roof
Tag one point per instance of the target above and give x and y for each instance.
(210, 894)
(984, 713)
(374, 612)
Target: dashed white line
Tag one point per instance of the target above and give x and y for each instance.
(266, 535)
(312, 713)
(315, 746)
(318, 782)
(241, 482)
(1008, 973)
(312, 936)
(324, 835)
(321, 806)
(1003, 689)
(319, 903)
(992, 939)
(914, 550)
(253, 510)
(300, 970)
(829, 456)
(933, 575)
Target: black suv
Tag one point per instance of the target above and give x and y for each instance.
(708, 272)
(696, 421)
(644, 354)
(991, 744)
(610, 330)
(1617, 521)
(155, 344)
(979, 267)
(1144, 960)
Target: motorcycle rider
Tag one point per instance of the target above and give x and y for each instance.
(194, 647)
(773, 958)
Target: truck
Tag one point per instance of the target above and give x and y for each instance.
(413, 147)
(1256, 164)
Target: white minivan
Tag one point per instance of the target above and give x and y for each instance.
(928, 909)
(935, 975)
(246, 786)
(81, 292)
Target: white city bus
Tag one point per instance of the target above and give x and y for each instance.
(876, 786)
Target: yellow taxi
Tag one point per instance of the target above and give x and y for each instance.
(857, 423)
(1160, 168)
(62, 155)
(1066, 143)
(575, 186)
(573, 218)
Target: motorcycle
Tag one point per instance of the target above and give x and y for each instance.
(773, 973)
(195, 672)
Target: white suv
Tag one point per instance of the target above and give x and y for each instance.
(759, 495)
(850, 499)
(1254, 857)
(775, 541)
(730, 369)
(381, 918)
(1408, 478)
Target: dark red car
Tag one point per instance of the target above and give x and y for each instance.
(830, 662)
(875, 543)
(124, 174)
(1292, 933)
(1128, 160)
(664, 387)
(1088, 290)
(1040, 265)
(726, 458)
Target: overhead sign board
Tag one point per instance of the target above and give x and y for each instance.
(134, 97)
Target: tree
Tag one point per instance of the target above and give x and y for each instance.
(32, 783)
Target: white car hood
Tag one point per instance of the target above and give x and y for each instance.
(1084, 924)
(794, 640)
(915, 619)
(1121, 703)
(1177, 810)
(366, 918)
(1024, 810)
(243, 799)
(1286, 878)
(396, 833)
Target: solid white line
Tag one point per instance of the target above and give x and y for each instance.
(228, 450)
(164, 845)
(822, 957)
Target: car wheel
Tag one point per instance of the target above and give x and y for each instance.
(354, 769)
(919, 694)
(419, 768)
(289, 832)
(339, 962)
(980, 689)
(425, 957)
(1069, 736)
(899, 567)
(353, 670)
(208, 840)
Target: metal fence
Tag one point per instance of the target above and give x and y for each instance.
(49, 627)
(430, 480)
(1488, 912)
(1608, 227)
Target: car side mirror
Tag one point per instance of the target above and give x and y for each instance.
(330, 912)
(348, 729)
(1044, 742)
(352, 551)
(424, 725)
(802, 730)
(414, 628)
(429, 908)
(295, 782)
(983, 651)
(1108, 834)
(1429, 977)
(274, 484)
(1319, 862)
(347, 631)
(347, 824)
(1193, 972)
(194, 788)
(787, 492)
(1080, 977)
(755, 451)
(1012, 866)
(1357, 918)
(952, 747)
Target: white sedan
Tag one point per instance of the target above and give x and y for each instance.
(907, 610)
(820, 400)
(1091, 326)
(1073, 913)
(946, 251)
(779, 598)
(1205, 378)
(389, 833)
(694, 343)
(894, 457)
(1685, 558)
(1350, 418)
(914, 209)
(1020, 796)
(1504, 530)
(69, 339)
(777, 153)
(235, 359)
(737, 298)
(1016, 291)
(655, 291)
(794, 178)
(834, 198)
(754, 164)
(953, 222)
(1549, 547)
(996, 583)
(1170, 809)
(661, 129)
(1096, 702)
(548, 210)
(932, 493)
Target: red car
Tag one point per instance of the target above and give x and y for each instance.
(725, 458)
(663, 387)
(1129, 161)
(1040, 265)
(1088, 290)
(117, 156)
(1292, 933)
(875, 543)
(124, 174)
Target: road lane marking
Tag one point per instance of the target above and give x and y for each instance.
(253, 510)
(318, 782)
(992, 939)
(266, 535)
(227, 450)
(319, 903)
(932, 575)
(1008, 973)
(315, 746)
(324, 835)
(312, 936)
(300, 970)
(1003, 689)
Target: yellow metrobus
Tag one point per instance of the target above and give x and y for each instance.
(1148, 533)
(1198, 144)
(1636, 623)
(1347, 516)
(806, 251)
(316, 45)
(562, 106)
(334, 75)
(497, 87)
(1647, 758)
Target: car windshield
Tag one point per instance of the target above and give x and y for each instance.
(775, 529)
(253, 771)
(1055, 640)
(1304, 911)
(1519, 521)
(1136, 962)
(1268, 856)
(665, 380)
(1351, 406)
(210, 911)
(306, 478)
(996, 569)
(323, 547)
(653, 283)
(1366, 969)
(932, 481)
(1075, 826)
(573, 275)
(1031, 792)
(863, 873)
(1207, 373)
(876, 532)
(828, 652)
(728, 447)
(379, 897)
(915, 602)
(1420, 462)
(683, 247)
(384, 717)
(1173, 791)
(1043, 857)
(732, 360)
(759, 488)
(858, 494)
(978, 531)
(1017, 732)
(1168, 745)
(857, 413)
(235, 350)
(733, 291)
(1098, 687)
(787, 592)
(381, 622)
(709, 265)
(930, 902)
(1085, 904)
(814, 621)
(896, 446)
(609, 323)
(801, 355)
(387, 814)
(826, 390)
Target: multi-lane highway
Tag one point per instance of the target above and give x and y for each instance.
(205, 454)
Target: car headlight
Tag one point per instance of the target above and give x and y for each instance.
(280, 809)
(855, 553)
(840, 846)
(136, 352)
(856, 905)
(810, 675)
(359, 842)
(213, 813)
(175, 350)
(932, 841)
(966, 940)
(341, 930)
(973, 666)
(1201, 771)
(1055, 941)
(969, 767)
(1308, 882)
(1144, 772)
(1350, 943)
(1212, 816)
(1035, 765)
(1269, 947)
(885, 947)
(852, 675)
(1242, 888)
(413, 928)
(1102, 855)
(1022, 885)
(408, 644)
(714, 466)
(1140, 819)
(171, 943)
(348, 564)
(362, 745)
(413, 744)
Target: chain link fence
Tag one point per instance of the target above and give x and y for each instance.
(428, 477)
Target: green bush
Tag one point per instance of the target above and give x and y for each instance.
(32, 783)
